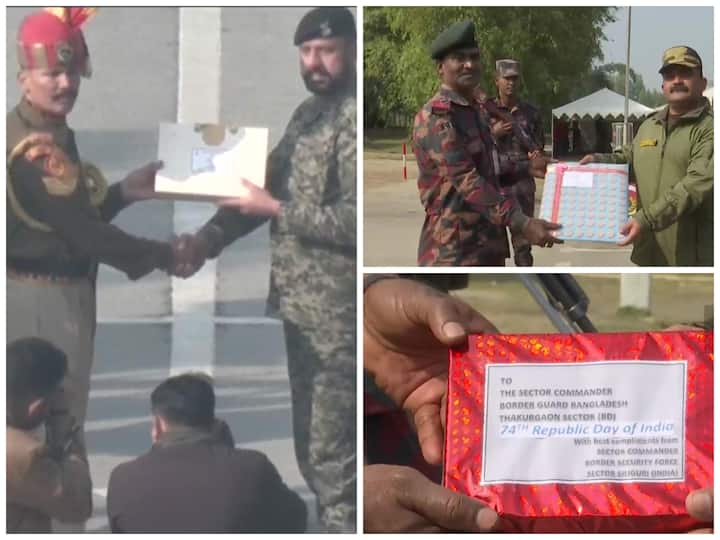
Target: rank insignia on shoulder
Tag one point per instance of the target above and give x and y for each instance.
(648, 142)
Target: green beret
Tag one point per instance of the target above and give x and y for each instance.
(325, 22)
(458, 36)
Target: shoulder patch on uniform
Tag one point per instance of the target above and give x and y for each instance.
(60, 175)
(58, 187)
(648, 142)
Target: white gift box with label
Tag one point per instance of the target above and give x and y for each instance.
(208, 161)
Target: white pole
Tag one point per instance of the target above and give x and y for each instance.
(635, 291)
(626, 132)
(193, 299)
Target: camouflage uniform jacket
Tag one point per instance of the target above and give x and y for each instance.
(313, 240)
(528, 119)
(459, 169)
(57, 217)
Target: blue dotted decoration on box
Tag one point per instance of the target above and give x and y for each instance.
(589, 213)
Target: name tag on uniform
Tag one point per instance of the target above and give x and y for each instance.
(648, 142)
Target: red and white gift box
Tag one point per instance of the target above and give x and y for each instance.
(582, 432)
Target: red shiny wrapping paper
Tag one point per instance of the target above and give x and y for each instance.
(590, 507)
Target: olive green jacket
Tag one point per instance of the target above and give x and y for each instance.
(673, 169)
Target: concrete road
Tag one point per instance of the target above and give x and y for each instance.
(134, 52)
(393, 216)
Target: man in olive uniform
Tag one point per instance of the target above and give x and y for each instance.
(59, 209)
(311, 199)
(466, 212)
(671, 159)
(517, 129)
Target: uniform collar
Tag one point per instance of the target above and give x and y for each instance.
(180, 435)
(319, 105)
(328, 100)
(662, 115)
(451, 95)
(36, 118)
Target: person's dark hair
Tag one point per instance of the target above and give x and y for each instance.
(34, 369)
(185, 400)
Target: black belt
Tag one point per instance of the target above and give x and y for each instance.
(50, 268)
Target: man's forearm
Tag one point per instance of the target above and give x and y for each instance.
(225, 227)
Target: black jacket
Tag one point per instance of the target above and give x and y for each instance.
(197, 482)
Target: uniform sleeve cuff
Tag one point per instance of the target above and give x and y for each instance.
(115, 201)
(643, 220)
(214, 238)
(518, 221)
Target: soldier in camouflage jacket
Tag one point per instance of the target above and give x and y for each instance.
(460, 166)
(311, 201)
(517, 129)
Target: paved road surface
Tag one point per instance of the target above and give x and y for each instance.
(393, 217)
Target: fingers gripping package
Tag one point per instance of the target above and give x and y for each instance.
(582, 432)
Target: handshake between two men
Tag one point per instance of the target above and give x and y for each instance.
(190, 251)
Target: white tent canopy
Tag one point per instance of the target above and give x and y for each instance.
(601, 104)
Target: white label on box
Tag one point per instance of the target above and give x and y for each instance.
(198, 170)
(577, 179)
(202, 161)
(620, 421)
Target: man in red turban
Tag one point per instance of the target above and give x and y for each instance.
(59, 210)
(52, 54)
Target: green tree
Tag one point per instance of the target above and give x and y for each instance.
(553, 44)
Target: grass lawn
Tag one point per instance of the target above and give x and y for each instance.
(386, 143)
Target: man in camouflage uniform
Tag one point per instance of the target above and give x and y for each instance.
(517, 127)
(59, 208)
(311, 199)
(459, 163)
